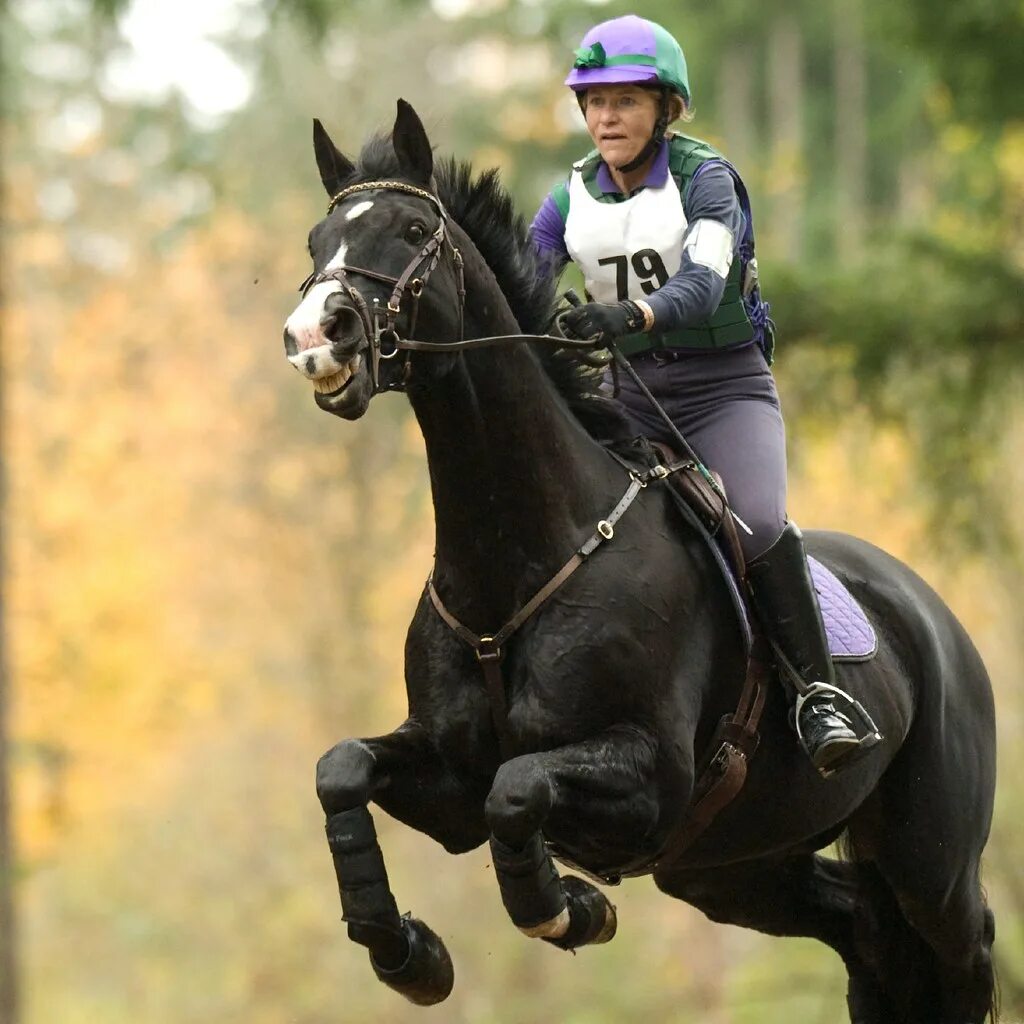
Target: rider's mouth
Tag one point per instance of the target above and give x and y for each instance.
(337, 382)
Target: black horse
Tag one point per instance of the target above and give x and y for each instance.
(613, 687)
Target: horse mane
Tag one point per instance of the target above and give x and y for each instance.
(482, 207)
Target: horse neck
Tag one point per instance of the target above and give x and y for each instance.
(515, 478)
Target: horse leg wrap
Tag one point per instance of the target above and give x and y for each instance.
(367, 905)
(404, 953)
(530, 888)
(592, 917)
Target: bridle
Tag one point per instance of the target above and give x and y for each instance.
(380, 324)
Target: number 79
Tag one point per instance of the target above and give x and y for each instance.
(648, 266)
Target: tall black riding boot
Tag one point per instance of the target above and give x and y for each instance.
(787, 605)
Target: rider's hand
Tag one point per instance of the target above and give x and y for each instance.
(603, 321)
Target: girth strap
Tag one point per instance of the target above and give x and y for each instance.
(490, 648)
(723, 769)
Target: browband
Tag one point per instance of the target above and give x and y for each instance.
(394, 186)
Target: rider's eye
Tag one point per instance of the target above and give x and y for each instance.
(414, 233)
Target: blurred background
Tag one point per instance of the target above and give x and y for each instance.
(207, 580)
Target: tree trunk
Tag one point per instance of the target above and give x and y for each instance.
(8, 934)
(786, 99)
(851, 130)
(8, 958)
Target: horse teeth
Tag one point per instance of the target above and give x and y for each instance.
(335, 381)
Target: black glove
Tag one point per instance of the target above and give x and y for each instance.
(603, 321)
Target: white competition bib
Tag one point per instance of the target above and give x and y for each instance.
(625, 250)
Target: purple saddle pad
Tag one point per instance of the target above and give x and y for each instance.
(850, 636)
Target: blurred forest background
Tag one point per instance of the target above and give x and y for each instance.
(207, 580)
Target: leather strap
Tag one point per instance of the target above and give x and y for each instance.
(723, 770)
(490, 648)
(491, 340)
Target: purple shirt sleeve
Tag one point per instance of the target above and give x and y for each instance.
(548, 234)
(693, 293)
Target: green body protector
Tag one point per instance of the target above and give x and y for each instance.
(729, 324)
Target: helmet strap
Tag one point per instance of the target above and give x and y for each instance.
(660, 127)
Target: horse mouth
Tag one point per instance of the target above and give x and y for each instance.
(336, 383)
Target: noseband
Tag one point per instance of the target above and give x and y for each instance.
(380, 324)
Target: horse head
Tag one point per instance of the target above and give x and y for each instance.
(384, 267)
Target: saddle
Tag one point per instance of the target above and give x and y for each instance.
(851, 637)
(721, 772)
(706, 500)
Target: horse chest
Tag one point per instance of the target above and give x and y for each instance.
(541, 711)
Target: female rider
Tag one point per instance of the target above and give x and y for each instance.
(659, 224)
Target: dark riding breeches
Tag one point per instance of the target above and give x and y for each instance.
(725, 404)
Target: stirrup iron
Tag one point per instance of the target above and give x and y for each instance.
(845, 706)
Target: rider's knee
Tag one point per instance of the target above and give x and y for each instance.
(344, 777)
(765, 530)
(519, 801)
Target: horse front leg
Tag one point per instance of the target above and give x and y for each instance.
(397, 771)
(596, 800)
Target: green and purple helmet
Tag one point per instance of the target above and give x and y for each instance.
(630, 50)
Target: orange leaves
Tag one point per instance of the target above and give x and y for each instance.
(187, 530)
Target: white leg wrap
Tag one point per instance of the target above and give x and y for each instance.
(553, 929)
(611, 922)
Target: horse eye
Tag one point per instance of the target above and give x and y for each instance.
(414, 233)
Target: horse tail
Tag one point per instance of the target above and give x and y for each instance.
(905, 968)
(995, 1007)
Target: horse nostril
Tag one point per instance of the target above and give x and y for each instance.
(291, 346)
(333, 303)
(341, 324)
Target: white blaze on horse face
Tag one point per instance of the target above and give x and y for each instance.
(338, 259)
(359, 209)
(304, 322)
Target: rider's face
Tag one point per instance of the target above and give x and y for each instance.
(620, 119)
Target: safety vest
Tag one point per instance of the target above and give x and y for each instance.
(629, 249)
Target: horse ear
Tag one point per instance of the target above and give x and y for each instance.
(412, 147)
(334, 166)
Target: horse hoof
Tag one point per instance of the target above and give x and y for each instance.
(427, 976)
(592, 919)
